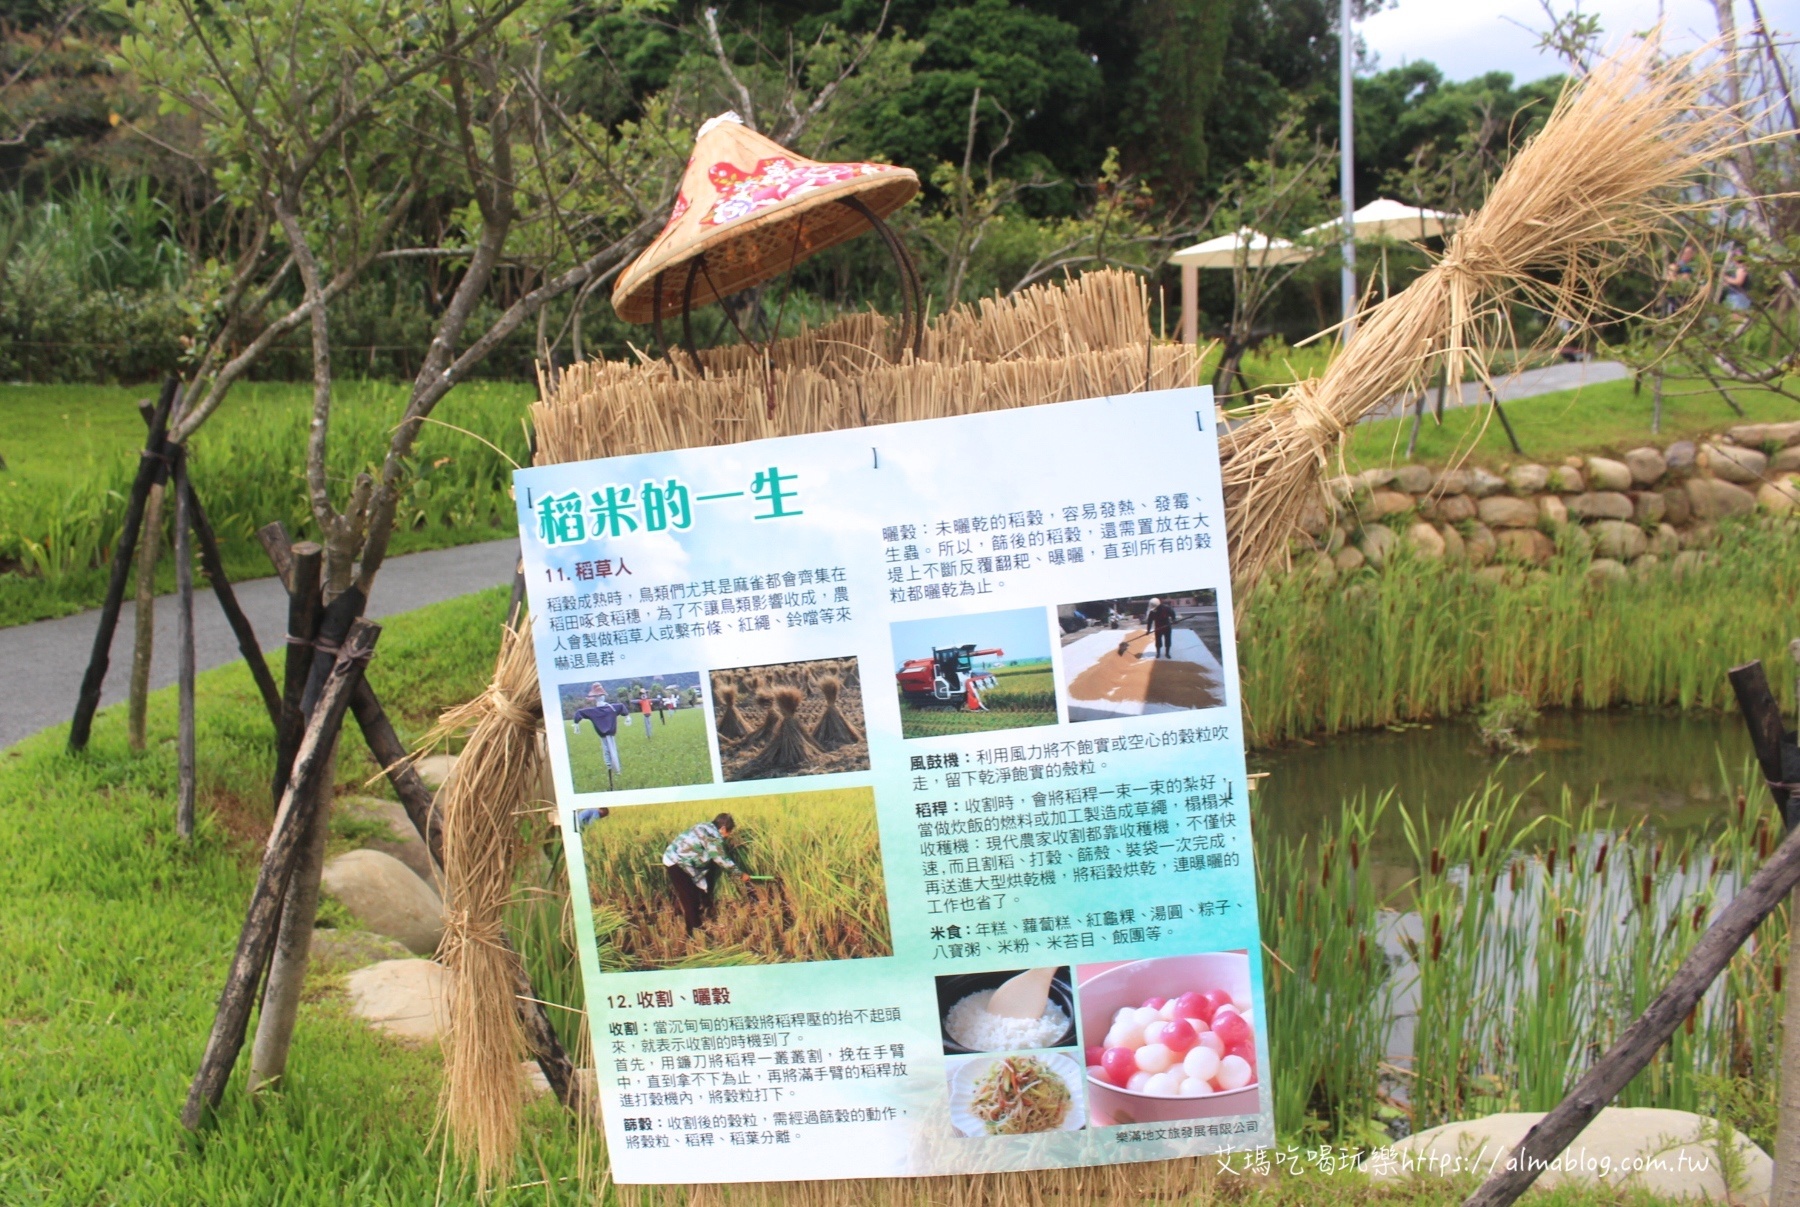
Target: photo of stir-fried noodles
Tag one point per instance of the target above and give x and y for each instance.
(1020, 1094)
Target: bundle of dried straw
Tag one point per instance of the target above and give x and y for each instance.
(484, 805)
(1591, 191)
(1597, 184)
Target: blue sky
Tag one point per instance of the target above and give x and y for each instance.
(1024, 633)
(1470, 37)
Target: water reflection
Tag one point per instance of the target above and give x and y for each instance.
(1661, 766)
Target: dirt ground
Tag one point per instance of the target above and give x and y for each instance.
(739, 757)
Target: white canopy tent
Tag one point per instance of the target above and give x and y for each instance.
(1385, 218)
(1224, 251)
(1381, 219)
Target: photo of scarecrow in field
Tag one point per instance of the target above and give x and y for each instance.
(1141, 654)
(791, 718)
(969, 674)
(784, 878)
(607, 753)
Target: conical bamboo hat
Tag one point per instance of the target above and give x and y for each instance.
(754, 209)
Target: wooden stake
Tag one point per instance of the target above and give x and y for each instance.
(293, 939)
(213, 565)
(300, 906)
(421, 809)
(291, 822)
(184, 651)
(1784, 1189)
(89, 700)
(302, 629)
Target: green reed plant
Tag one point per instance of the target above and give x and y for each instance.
(1457, 973)
(1524, 945)
(1424, 639)
(1327, 977)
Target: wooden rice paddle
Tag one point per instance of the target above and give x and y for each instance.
(1023, 996)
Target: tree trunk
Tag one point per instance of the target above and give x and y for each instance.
(293, 944)
(300, 906)
(184, 652)
(149, 549)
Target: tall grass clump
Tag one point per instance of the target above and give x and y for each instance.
(1424, 639)
(1330, 1004)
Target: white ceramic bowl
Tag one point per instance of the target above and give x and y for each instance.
(1130, 985)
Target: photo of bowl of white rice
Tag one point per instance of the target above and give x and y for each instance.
(969, 1026)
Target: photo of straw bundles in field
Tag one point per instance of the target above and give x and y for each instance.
(790, 718)
(786, 878)
(646, 731)
(972, 674)
(1141, 654)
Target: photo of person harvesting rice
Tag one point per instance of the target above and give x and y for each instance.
(1141, 654)
(695, 861)
(781, 878)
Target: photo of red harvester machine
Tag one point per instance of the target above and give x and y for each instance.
(947, 677)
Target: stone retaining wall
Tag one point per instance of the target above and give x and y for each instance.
(1649, 507)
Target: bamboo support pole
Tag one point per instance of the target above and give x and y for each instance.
(184, 651)
(300, 906)
(212, 564)
(89, 699)
(291, 822)
(149, 552)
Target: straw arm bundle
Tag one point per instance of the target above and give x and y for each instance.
(482, 804)
(1592, 191)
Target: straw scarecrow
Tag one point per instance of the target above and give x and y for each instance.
(1591, 190)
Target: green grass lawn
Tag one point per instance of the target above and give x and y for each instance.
(1604, 418)
(115, 939)
(71, 451)
(676, 753)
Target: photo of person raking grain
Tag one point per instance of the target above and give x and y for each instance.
(790, 718)
(1141, 654)
(646, 731)
(784, 878)
(970, 674)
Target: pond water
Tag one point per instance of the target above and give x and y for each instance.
(1660, 766)
(1664, 768)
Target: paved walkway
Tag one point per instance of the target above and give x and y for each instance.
(44, 662)
(1527, 384)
